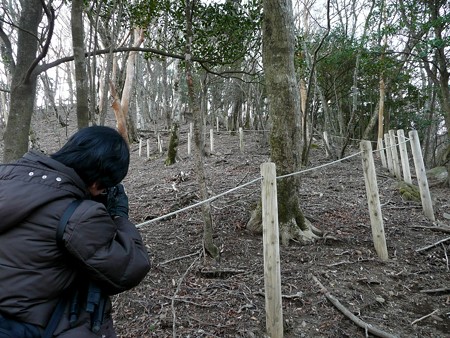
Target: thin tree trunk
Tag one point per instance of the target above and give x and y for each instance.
(128, 86)
(80, 64)
(23, 84)
(208, 242)
(49, 92)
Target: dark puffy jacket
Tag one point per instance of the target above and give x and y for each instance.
(34, 272)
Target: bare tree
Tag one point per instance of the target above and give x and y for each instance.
(80, 64)
(24, 77)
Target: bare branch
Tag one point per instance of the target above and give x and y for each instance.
(50, 13)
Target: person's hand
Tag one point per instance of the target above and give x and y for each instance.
(117, 202)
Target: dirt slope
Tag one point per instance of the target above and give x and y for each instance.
(192, 296)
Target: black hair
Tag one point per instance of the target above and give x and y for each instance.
(97, 154)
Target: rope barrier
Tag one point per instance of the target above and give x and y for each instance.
(234, 189)
(320, 166)
(197, 204)
(392, 145)
(256, 180)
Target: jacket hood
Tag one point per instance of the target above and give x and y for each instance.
(31, 182)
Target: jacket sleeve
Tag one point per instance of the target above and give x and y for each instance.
(109, 252)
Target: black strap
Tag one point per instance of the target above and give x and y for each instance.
(63, 222)
(60, 306)
(55, 318)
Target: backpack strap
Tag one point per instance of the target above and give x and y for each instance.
(55, 318)
(63, 222)
(60, 306)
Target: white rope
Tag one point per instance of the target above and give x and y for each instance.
(197, 204)
(351, 139)
(251, 182)
(392, 145)
(320, 166)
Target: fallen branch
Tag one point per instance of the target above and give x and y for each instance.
(184, 300)
(178, 258)
(368, 327)
(433, 245)
(295, 295)
(424, 317)
(223, 273)
(445, 229)
(339, 263)
(439, 290)
(446, 256)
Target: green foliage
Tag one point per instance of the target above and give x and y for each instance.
(222, 32)
(142, 12)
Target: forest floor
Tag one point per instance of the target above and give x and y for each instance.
(189, 295)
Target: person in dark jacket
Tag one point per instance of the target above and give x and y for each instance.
(100, 246)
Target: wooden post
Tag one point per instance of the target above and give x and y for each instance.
(140, 147)
(382, 152)
(160, 146)
(217, 123)
(148, 148)
(422, 180)
(394, 151)
(241, 139)
(327, 143)
(272, 270)
(404, 156)
(373, 200)
(211, 139)
(189, 143)
(387, 143)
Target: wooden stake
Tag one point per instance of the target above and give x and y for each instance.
(387, 143)
(425, 196)
(140, 147)
(241, 139)
(373, 200)
(272, 271)
(160, 146)
(327, 144)
(404, 156)
(217, 123)
(211, 139)
(148, 148)
(394, 151)
(382, 152)
(189, 143)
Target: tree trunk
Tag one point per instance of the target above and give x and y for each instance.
(284, 107)
(208, 242)
(128, 86)
(118, 112)
(440, 74)
(23, 87)
(80, 64)
(381, 108)
(50, 97)
(173, 145)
